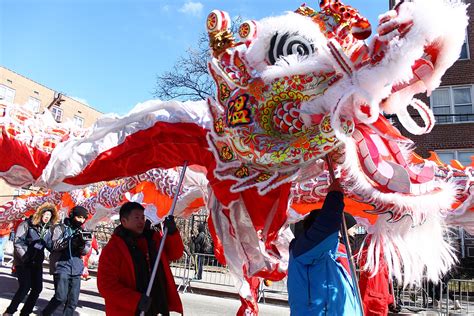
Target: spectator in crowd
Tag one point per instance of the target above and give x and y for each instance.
(126, 264)
(69, 243)
(4, 235)
(32, 237)
(319, 281)
(200, 247)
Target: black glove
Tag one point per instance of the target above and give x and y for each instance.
(34, 251)
(144, 303)
(170, 224)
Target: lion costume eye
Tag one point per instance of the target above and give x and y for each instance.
(282, 45)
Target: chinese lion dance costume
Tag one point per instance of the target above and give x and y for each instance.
(290, 91)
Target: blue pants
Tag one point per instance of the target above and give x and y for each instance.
(66, 290)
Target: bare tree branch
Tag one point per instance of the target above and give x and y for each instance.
(189, 78)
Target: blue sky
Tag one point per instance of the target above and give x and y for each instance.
(108, 52)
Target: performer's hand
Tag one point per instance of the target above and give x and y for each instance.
(335, 186)
(144, 303)
(170, 224)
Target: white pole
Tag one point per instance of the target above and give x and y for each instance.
(345, 239)
(165, 233)
(355, 280)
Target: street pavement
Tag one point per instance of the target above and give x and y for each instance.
(90, 303)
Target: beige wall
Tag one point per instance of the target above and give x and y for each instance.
(7, 193)
(26, 88)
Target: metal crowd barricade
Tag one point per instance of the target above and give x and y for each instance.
(212, 271)
(187, 269)
(462, 294)
(413, 298)
(278, 288)
(180, 270)
(419, 297)
(457, 298)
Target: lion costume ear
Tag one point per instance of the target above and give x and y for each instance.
(248, 31)
(221, 38)
(346, 16)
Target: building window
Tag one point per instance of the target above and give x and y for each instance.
(465, 49)
(78, 121)
(462, 155)
(34, 104)
(57, 113)
(6, 93)
(452, 104)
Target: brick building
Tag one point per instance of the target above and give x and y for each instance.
(18, 89)
(452, 103)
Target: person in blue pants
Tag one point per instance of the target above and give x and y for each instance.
(69, 243)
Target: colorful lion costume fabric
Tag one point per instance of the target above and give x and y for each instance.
(292, 90)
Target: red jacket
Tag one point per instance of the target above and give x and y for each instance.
(116, 276)
(374, 290)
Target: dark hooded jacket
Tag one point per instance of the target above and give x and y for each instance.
(66, 254)
(200, 243)
(31, 238)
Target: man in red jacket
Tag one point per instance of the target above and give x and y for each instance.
(126, 263)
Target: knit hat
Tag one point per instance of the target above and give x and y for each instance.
(79, 211)
(350, 220)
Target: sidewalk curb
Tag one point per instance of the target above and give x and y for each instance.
(226, 294)
(219, 293)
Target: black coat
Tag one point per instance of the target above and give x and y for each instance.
(66, 254)
(30, 242)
